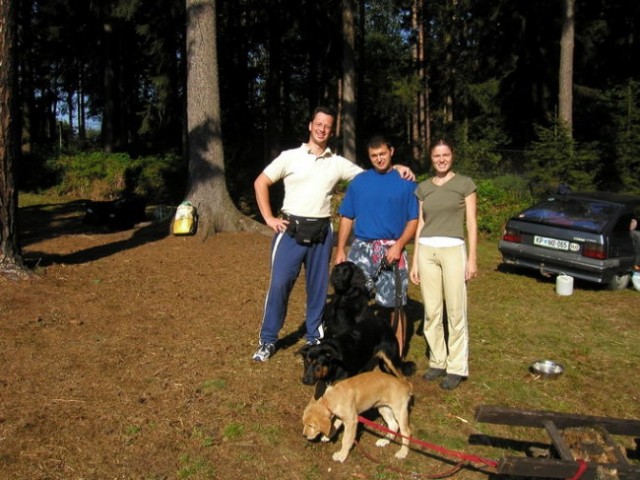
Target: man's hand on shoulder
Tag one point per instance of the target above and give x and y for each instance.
(405, 172)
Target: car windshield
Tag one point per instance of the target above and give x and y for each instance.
(579, 213)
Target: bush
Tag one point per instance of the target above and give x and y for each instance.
(103, 176)
(498, 200)
(33, 171)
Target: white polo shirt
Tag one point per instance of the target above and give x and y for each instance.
(309, 180)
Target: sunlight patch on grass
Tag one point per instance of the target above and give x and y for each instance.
(233, 431)
(29, 199)
(202, 437)
(195, 468)
(272, 433)
(209, 386)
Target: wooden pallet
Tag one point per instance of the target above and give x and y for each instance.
(561, 429)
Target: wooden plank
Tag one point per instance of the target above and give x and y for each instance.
(550, 468)
(615, 448)
(558, 441)
(536, 418)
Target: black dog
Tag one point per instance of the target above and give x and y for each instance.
(349, 303)
(352, 352)
(120, 214)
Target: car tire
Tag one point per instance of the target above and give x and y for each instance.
(619, 282)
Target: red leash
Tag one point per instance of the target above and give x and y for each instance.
(581, 469)
(582, 465)
(430, 446)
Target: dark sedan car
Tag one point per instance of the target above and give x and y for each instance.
(590, 236)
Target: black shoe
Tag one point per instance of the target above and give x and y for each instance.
(434, 373)
(451, 381)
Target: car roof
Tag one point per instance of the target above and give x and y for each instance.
(621, 198)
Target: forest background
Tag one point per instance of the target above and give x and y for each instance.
(135, 345)
(102, 89)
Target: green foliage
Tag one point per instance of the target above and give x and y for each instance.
(477, 158)
(202, 437)
(162, 178)
(499, 199)
(233, 431)
(33, 171)
(555, 159)
(99, 175)
(626, 104)
(195, 467)
(479, 136)
(209, 386)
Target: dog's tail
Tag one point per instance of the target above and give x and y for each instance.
(389, 364)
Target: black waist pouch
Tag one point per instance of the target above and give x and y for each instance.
(307, 231)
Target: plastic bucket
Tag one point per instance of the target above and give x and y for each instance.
(185, 220)
(564, 285)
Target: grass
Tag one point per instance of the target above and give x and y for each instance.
(195, 468)
(516, 318)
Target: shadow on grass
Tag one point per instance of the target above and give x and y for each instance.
(42, 222)
(547, 279)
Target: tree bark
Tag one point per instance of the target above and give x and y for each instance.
(206, 188)
(11, 264)
(420, 128)
(109, 115)
(565, 90)
(348, 81)
(273, 87)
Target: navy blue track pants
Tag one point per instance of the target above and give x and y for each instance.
(287, 258)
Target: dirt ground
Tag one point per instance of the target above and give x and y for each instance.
(127, 356)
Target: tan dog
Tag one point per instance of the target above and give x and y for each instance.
(343, 401)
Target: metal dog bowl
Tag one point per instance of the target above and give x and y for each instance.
(546, 369)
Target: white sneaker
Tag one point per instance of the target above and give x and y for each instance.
(265, 350)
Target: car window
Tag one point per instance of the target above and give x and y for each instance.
(577, 213)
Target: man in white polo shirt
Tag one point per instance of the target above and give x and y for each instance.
(303, 233)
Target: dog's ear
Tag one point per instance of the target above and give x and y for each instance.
(340, 277)
(358, 278)
(332, 352)
(325, 425)
(303, 350)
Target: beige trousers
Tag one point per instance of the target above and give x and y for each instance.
(442, 285)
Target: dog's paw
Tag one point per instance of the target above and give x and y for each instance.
(402, 453)
(382, 442)
(324, 438)
(339, 456)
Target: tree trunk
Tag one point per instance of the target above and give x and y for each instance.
(11, 264)
(109, 115)
(348, 81)
(207, 189)
(565, 90)
(420, 116)
(273, 87)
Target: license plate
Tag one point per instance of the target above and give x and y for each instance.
(550, 243)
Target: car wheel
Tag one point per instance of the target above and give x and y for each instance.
(619, 282)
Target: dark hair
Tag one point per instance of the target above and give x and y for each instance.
(323, 109)
(441, 143)
(379, 141)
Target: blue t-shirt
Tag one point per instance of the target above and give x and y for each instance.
(380, 204)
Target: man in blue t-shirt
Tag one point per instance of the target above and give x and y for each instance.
(384, 209)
